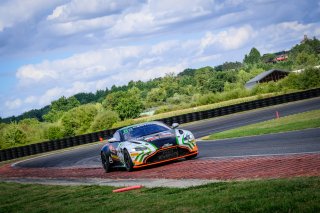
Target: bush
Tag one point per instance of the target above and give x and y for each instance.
(54, 132)
(13, 136)
(169, 108)
(78, 120)
(104, 120)
(207, 99)
(308, 79)
(129, 108)
(32, 128)
(178, 99)
(156, 96)
(270, 87)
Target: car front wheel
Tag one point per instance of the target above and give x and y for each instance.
(105, 163)
(127, 161)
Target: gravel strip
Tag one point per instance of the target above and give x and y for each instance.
(149, 183)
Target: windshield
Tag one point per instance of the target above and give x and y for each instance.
(142, 130)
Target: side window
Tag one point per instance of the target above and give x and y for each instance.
(116, 135)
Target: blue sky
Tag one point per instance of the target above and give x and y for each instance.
(51, 48)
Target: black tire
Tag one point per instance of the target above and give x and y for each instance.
(191, 156)
(127, 161)
(105, 163)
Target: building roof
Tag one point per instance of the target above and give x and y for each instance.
(264, 74)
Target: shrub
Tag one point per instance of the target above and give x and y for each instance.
(32, 128)
(54, 132)
(177, 99)
(78, 120)
(13, 135)
(104, 120)
(169, 108)
(156, 96)
(310, 78)
(129, 108)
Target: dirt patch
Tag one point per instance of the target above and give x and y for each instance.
(217, 169)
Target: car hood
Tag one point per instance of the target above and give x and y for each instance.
(161, 139)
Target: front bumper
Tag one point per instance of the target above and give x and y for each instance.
(165, 155)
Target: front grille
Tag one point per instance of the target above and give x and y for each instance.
(162, 141)
(167, 154)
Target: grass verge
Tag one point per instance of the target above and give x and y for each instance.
(299, 121)
(194, 109)
(283, 195)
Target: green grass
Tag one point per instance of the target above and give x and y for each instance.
(193, 109)
(299, 121)
(283, 195)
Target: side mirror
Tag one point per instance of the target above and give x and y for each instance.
(111, 140)
(174, 125)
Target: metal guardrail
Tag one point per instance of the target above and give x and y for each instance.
(47, 146)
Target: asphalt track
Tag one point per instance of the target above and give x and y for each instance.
(283, 143)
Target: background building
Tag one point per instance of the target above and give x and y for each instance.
(270, 75)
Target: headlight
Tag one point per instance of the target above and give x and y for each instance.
(189, 138)
(140, 148)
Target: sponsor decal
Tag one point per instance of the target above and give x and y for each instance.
(158, 136)
(133, 154)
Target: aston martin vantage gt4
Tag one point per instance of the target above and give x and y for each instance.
(147, 144)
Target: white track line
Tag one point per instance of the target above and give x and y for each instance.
(58, 151)
(262, 155)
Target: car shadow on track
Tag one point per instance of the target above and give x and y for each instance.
(154, 166)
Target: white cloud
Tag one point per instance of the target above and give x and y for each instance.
(58, 12)
(78, 67)
(229, 39)
(14, 104)
(15, 11)
(30, 100)
(81, 9)
(133, 23)
(275, 37)
(49, 95)
(149, 61)
(36, 73)
(78, 16)
(78, 26)
(208, 58)
(164, 47)
(158, 15)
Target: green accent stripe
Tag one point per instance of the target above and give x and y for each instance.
(153, 146)
(144, 156)
(139, 156)
(188, 144)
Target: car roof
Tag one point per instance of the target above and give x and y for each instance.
(140, 124)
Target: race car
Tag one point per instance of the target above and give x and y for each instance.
(147, 144)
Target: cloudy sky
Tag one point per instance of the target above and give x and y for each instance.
(51, 48)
